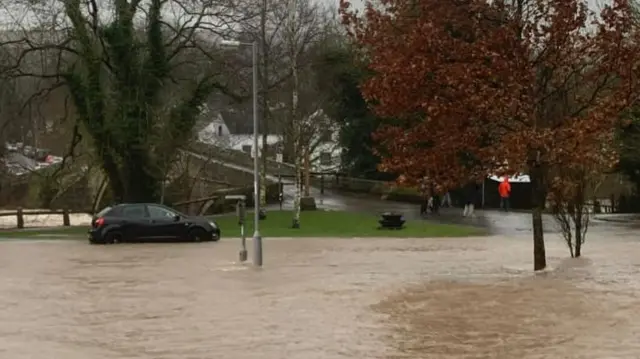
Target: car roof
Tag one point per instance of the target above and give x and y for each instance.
(120, 205)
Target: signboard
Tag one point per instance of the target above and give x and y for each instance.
(512, 179)
(279, 158)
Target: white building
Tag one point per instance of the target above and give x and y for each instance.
(215, 131)
(326, 152)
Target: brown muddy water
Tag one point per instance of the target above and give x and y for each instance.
(373, 298)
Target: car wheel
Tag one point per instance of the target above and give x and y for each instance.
(112, 237)
(197, 235)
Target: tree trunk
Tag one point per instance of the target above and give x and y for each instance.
(581, 226)
(578, 236)
(307, 173)
(539, 197)
(102, 188)
(265, 103)
(287, 143)
(263, 187)
(140, 187)
(295, 120)
(114, 177)
(298, 195)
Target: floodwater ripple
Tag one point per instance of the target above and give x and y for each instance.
(333, 298)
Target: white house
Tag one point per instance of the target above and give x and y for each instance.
(326, 152)
(215, 131)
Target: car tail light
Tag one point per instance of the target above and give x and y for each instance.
(99, 222)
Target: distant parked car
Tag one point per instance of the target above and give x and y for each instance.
(149, 222)
(41, 154)
(11, 147)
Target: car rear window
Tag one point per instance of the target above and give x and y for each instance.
(104, 211)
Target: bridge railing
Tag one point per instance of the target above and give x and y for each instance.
(342, 183)
(239, 158)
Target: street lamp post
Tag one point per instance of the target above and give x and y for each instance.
(257, 239)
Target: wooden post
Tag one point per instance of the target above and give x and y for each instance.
(322, 183)
(20, 218)
(65, 218)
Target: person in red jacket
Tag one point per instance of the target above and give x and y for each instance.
(504, 189)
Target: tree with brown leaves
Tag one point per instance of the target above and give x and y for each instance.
(475, 84)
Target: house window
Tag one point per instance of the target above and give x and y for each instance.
(325, 136)
(325, 159)
(246, 148)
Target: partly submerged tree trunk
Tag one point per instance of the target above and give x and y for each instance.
(578, 218)
(579, 238)
(538, 196)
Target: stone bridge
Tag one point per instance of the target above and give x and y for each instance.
(238, 158)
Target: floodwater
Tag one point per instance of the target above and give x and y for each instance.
(320, 298)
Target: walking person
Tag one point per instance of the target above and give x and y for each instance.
(504, 189)
(446, 200)
(470, 195)
(435, 200)
(424, 206)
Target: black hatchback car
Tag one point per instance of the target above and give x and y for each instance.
(149, 222)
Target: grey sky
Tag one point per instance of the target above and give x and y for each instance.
(10, 15)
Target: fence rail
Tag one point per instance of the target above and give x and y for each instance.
(238, 157)
(21, 213)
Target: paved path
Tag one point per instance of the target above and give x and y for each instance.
(496, 222)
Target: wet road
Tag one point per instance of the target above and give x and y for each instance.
(322, 298)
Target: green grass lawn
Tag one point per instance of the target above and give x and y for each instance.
(338, 224)
(278, 224)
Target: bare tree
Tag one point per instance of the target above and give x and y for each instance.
(307, 22)
(267, 28)
(570, 191)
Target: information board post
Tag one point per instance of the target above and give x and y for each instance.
(241, 211)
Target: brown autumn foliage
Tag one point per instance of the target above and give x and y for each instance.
(472, 83)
